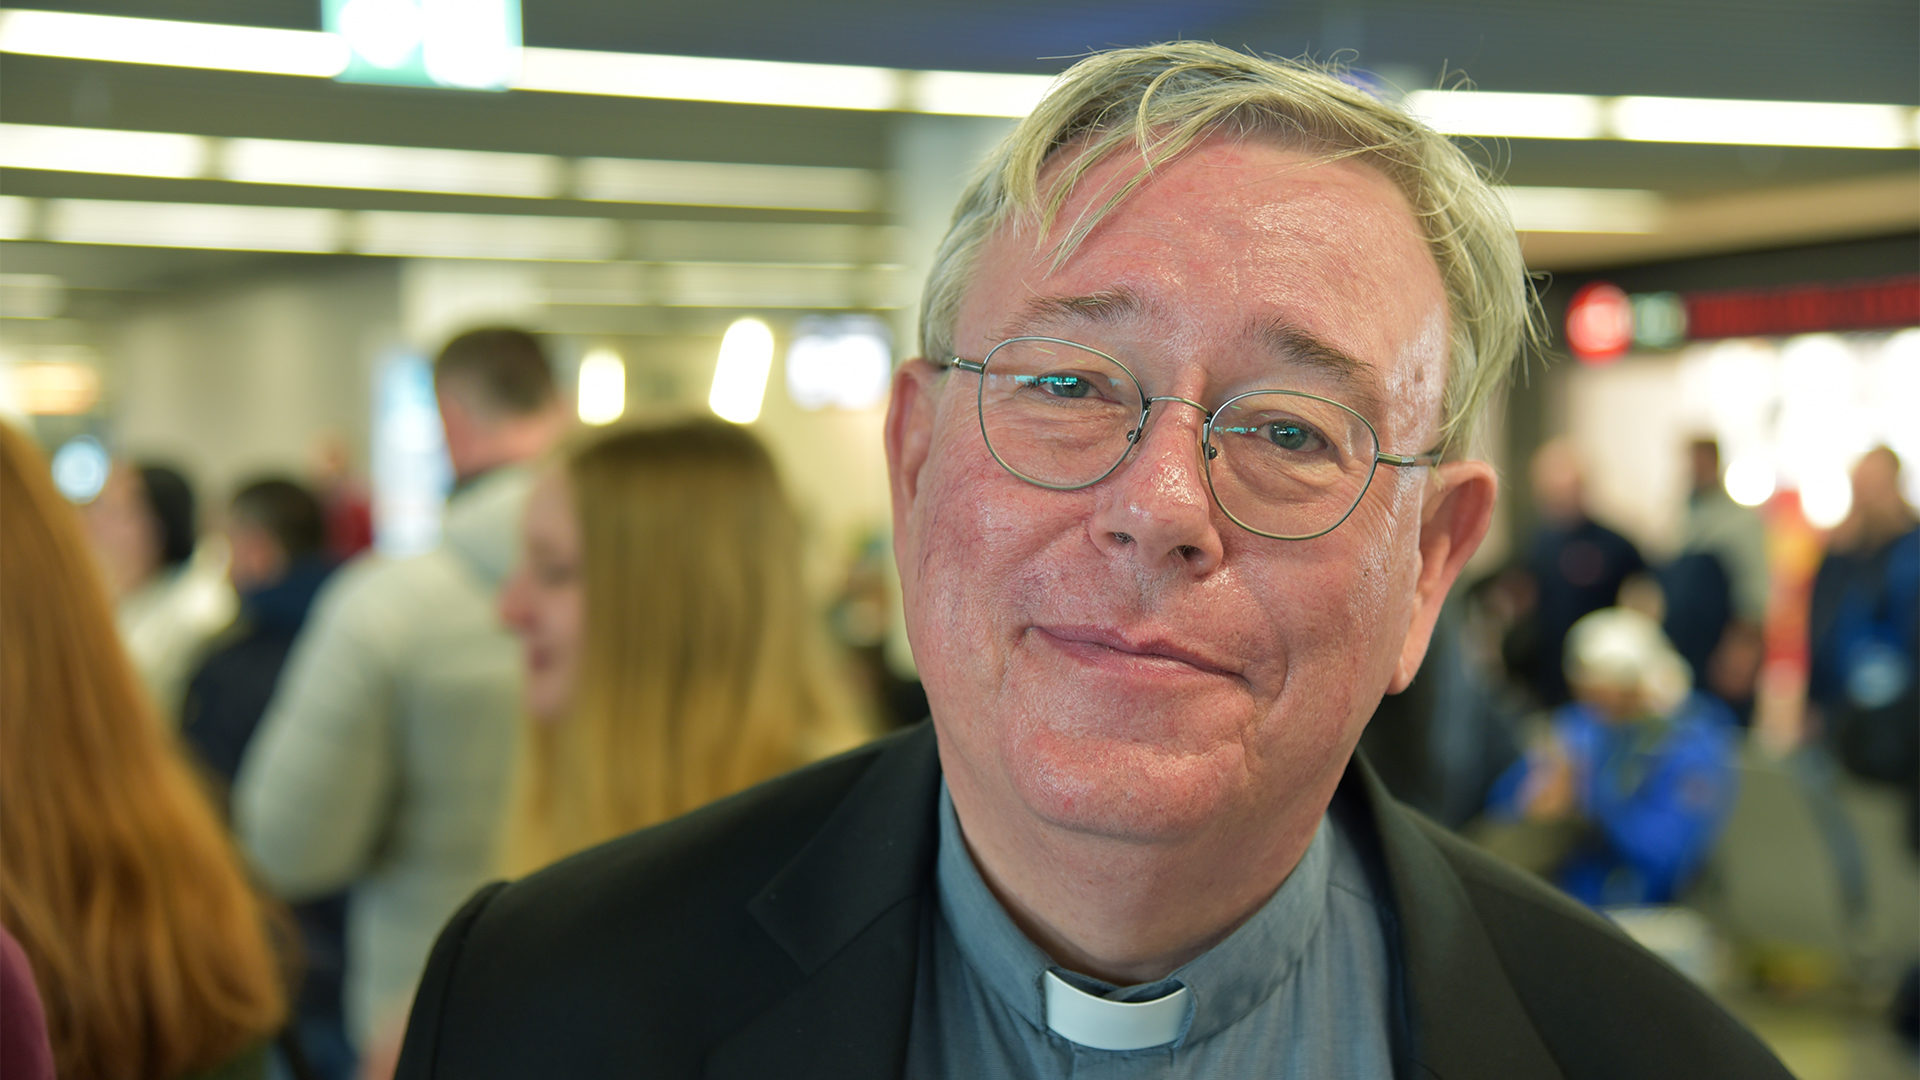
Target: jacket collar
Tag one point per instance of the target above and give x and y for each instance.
(1459, 1015)
(849, 911)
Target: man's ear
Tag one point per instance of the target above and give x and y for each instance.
(1453, 520)
(909, 432)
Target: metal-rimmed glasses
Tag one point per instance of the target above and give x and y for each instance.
(1279, 463)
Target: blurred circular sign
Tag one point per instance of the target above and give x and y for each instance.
(1599, 322)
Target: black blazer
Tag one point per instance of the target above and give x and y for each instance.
(776, 933)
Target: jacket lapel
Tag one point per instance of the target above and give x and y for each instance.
(848, 911)
(1462, 1017)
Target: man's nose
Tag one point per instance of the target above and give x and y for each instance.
(1156, 507)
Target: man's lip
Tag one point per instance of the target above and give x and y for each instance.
(1138, 645)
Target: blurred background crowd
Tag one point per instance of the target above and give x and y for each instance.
(431, 444)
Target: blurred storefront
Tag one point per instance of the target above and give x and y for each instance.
(1795, 361)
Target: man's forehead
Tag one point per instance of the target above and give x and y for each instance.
(1337, 289)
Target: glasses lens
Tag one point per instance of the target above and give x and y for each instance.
(1056, 413)
(1290, 465)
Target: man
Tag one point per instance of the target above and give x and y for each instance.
(1716, 588)
(1577, 565)
(277, 539)
(1154, 598)
(381, 765)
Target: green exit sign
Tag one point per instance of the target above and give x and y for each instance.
(463, 44)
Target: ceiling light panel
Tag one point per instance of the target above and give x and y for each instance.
(1584, 210)
(16, 217)
(1763, 123)
(172, 44)
(192, 225)
(486, 236)
(392, 168)
(730, 241)
(97, 150)
(974, 93)
(1523, 116)
(707, 183)
(699, 78)
(722, 285)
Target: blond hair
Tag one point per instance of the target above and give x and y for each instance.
(150, 947)
(1159, 101)
(703, 668)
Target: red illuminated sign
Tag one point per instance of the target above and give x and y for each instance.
(1599, 322)
(1805, 309)
(1603, 321)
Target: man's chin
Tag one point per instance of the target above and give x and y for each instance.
(1125, 790)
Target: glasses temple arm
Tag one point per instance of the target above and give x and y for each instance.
(1407, 460)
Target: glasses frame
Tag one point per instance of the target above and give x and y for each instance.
(1380, 457)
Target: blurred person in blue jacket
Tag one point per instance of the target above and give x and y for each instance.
(1864, 628)
(1636, 774)
(1575, 563)
(277, 536)
(276, 533)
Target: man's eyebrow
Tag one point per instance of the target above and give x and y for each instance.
(1355, 377)
(1106, 306)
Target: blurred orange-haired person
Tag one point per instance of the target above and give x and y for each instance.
(151, 949)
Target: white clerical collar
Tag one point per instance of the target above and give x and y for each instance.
(1214, 990)
(1104, 1024)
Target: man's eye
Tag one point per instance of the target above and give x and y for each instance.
(1292, 436)
(1061, 385)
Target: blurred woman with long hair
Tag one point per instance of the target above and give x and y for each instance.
(150, 948)
(672, 655)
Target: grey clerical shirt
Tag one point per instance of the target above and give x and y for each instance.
(1301, 989)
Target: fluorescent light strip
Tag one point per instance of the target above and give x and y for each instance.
(1584, 210)
(1538, 116)
(840, 86)
(807, 249)
(193, 225)
(91, 150)
(16, 217)
(391, 168)
(698, 78)
(1668, 119)
(740, 375)
(974, 93)
(698, 263)
(486, 236)
(751, 242)
(170, 43)
(1770, 123)
(602, 385)
(704, 183)
(448, 172)
(737, 285)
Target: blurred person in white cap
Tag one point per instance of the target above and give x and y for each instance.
(1635, 774)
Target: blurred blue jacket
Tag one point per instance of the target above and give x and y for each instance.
(1654, 796)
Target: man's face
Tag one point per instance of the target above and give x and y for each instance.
(1123, 660)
